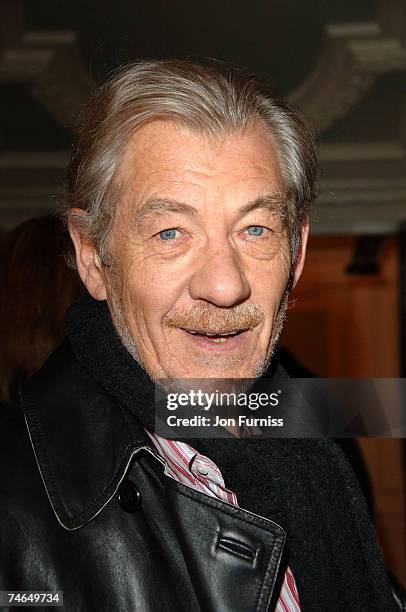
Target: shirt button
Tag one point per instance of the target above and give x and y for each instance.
(202, 469)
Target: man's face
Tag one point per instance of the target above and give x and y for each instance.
(200, 257)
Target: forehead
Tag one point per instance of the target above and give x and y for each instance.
(167, 156)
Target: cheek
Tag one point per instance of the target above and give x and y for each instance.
(149, 290)
(268, 282)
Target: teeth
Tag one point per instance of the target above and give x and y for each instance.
(232, 333)
(219, 340)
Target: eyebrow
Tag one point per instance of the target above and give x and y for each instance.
(273, 202)
(162, 206)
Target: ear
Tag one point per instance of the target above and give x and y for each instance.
(301, 254)
(87, 259)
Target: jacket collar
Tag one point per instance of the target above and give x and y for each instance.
(82, 438)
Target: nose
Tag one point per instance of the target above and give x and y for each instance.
(219, 278)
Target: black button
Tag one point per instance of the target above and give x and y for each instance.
(129, 497)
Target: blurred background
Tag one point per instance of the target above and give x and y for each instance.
(344, 63)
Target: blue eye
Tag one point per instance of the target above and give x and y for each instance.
(255, 230)
(168, 234)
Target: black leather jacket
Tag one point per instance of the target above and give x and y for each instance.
(93, 527)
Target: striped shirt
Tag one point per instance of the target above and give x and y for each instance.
(186, 465)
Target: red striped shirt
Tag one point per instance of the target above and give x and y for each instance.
(186, 465)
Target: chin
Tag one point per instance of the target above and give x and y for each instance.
(218, 370)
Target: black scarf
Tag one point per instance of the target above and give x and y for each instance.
(305, 485)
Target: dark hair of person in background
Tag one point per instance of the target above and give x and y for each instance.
(36, 288)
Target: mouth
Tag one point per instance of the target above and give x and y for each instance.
(215, 340)
(218, 337)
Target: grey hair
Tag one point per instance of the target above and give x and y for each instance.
(207, 99)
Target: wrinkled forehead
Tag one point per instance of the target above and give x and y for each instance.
(163, 155)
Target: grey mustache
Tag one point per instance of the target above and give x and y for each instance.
(204, 318)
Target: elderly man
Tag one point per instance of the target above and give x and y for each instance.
(188, 204)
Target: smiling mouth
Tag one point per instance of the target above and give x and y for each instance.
(215, 336)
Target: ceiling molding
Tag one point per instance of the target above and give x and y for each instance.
(354, 56)
(366, 161)
(12, 160)
(48, 64)
(359, 209)
(360, 151)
